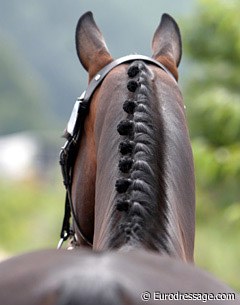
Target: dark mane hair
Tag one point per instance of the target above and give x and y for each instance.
(141, 200)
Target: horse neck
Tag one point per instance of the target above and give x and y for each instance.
(135, 201)
(179, 173)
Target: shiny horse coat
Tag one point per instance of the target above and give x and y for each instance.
(133, 182)
(82, 277)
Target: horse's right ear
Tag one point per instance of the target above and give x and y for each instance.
(167, 44)
(91, 47)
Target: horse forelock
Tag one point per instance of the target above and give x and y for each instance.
(141, 190)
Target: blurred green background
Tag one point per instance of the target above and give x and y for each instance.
(40, 77)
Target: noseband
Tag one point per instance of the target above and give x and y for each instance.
(74, 129)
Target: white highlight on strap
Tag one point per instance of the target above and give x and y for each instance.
(73, 118)
(97, 77)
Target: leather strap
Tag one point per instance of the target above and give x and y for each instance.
(99, 77)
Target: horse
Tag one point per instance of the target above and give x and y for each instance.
(130, 188)
(132, 178)
(84, 277)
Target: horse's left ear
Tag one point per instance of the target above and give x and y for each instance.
(90, 44)
(167, 44)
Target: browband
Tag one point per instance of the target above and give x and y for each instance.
(102, 73)
(99, 77)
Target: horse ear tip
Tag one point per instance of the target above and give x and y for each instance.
(86, 16)
(166, 18)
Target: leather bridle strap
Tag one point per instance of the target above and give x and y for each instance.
(103, 73)
(73, 134)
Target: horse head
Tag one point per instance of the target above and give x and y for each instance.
(133, 176)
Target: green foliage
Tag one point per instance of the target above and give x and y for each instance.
(215, 33)
(216, 166)
(217, 234)
(215, 116)
(213, 97)
(213, 93)
(31, 215)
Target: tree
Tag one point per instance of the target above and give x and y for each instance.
(212, 40)
(213, 94)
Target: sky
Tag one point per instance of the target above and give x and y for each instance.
(42, 35)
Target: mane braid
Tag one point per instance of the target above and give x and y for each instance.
(140, 189)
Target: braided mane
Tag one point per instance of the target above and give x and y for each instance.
(141, 197)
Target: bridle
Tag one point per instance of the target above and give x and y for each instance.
(73, 135)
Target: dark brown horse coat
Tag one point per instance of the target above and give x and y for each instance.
(133, 183)
(81, 277)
